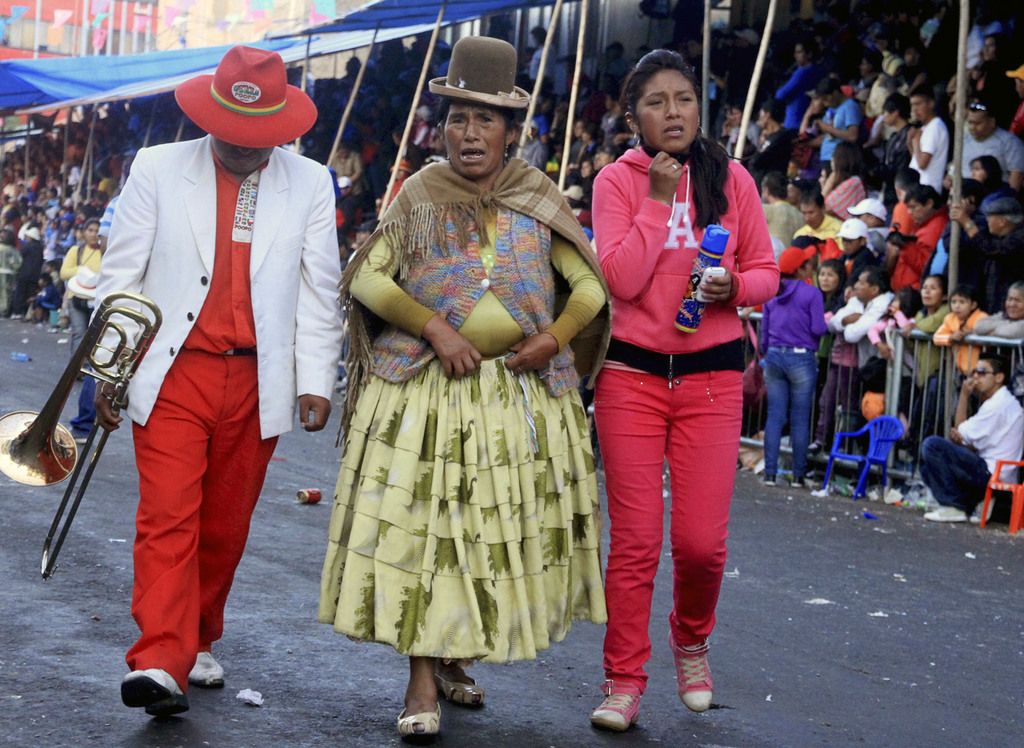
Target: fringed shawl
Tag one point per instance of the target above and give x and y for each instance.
(416, 221)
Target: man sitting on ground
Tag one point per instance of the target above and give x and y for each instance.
(958, 469)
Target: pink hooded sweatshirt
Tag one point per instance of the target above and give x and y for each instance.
(646, 250)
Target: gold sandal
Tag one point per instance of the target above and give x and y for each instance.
(465, 694)
(430, 722)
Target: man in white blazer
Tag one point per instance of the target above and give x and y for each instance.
(235, 242)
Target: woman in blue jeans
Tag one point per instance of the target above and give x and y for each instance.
(791, 325)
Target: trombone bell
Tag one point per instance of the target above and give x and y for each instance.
(35, 457)
(36, 450)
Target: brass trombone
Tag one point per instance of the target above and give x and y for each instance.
(37, 450)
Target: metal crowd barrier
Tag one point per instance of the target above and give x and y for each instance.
(925, 403)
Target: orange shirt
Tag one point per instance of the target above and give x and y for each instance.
(226, 319)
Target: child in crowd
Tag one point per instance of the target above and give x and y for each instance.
(866, 305)
(963, 316)
(857, 254)
(831, 283)
(934, 309)
(899, 316)
(45, 305)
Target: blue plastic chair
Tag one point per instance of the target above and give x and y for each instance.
(883, 432)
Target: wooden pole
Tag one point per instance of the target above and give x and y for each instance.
(748, 107)
(573, 93)
(552, 30)
(86, 161)
(64, 159)
(958, 140)
(705, 72)
(28, 138)
(305, 74)
(953, 267)
(352, 98)
(412, 108)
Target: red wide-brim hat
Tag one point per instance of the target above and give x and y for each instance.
(247, 101)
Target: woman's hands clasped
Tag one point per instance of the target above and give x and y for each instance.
(532, 354)
(457, 355)
(460, 358)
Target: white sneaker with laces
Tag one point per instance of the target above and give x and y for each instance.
(207, 672)
(946, 514)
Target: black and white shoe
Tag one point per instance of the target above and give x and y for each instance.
(155, 690)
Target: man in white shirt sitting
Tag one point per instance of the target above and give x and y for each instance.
(958, 469)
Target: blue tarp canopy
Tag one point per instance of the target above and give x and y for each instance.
(30, 83)
(389, 14)
(58, 83)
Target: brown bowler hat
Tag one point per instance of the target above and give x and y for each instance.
(483, 71)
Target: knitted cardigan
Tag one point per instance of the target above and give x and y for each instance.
(439, 214)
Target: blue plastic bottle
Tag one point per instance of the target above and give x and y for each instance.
(712, 247)
(19, 356)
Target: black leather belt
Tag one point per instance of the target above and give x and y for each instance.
(724, 357)
(240, 352)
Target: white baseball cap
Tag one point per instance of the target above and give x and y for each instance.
(853, 228)
(870, 206)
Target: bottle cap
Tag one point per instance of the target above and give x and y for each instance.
(715, 239)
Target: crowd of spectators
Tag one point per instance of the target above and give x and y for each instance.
(851, 146)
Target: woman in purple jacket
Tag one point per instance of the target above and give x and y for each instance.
(791, 326)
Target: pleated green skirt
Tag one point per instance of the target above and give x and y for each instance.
(465, 522)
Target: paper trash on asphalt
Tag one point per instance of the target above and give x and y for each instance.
(878, 614)
(969, 555)
(733, 574)
(250, 697)
(818, 601)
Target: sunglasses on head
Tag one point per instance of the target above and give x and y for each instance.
(977, 106)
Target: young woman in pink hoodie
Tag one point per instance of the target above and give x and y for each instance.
(665, 394)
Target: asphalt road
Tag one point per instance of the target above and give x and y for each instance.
(833, 629)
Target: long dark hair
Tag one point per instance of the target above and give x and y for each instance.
(708, 160)
(834, 301)
(993, 172)
(849, 162)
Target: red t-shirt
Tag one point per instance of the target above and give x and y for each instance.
(1017, 125)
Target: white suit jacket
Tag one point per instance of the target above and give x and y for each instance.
(162, 246)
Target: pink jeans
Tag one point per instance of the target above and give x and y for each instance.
(696, 427)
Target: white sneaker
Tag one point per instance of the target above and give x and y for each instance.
(946, 514)
(976, 514)
(207, 672)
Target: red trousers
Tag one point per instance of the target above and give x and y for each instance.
(201, 467)
(696, 427)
